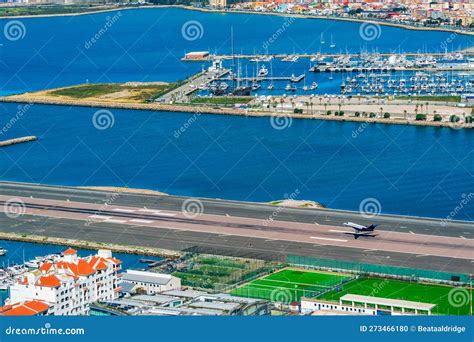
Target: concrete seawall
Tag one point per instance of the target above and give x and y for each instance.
(157, 107)
(17, 140)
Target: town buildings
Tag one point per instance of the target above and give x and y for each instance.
(69, 284)
(149, 282)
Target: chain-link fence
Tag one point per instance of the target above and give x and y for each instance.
(379, 270)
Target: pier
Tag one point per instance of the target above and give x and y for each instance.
(192, 84)
(17, 141)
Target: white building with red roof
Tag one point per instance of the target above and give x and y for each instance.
(68, 285)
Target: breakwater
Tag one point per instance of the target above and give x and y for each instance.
(159, 107)
(18, 140)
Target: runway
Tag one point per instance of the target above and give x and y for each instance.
(242, 229)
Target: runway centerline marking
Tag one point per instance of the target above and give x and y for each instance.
(327, 239)
(338, 231)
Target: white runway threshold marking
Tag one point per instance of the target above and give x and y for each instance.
(164, 214)
(327, 239)
(141, 221)
(124, 210)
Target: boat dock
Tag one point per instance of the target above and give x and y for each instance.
(294, 79)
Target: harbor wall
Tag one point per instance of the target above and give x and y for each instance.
(158, 107)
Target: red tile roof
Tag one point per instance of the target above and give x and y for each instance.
(48, 281)
(45, 267)
(69, 251)
(28, 308)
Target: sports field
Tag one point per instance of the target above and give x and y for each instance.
(449, 300)
(289, 285)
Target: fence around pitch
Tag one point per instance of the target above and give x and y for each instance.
(379, 270)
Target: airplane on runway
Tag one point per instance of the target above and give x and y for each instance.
(360, 230)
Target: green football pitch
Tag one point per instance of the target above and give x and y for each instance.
(448, 300)
(289, 285)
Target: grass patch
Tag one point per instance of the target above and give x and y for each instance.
(137, 93)
(440, 98)
(396, 289)
(48, 10)
(290, 285)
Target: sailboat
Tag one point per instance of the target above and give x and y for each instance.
(322, 38)
(332, 42)
(271, 86)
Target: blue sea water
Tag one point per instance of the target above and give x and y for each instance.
(410, 170)
(147, 44)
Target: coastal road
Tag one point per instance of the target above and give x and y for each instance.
(235, 228)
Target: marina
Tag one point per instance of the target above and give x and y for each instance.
(346, 74)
